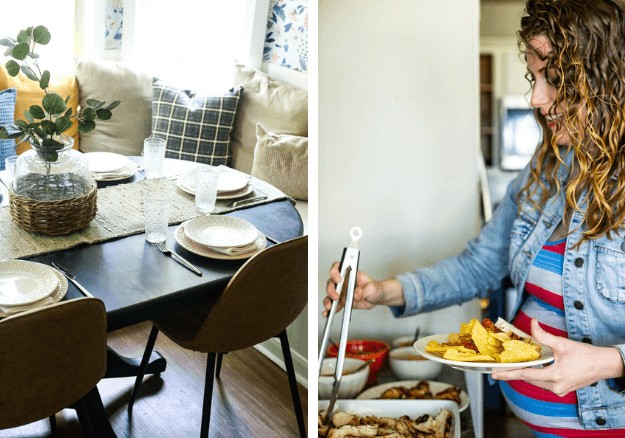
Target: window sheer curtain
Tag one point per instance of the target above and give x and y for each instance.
(58, 16)
(189, 43)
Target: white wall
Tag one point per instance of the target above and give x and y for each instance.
(398, 142)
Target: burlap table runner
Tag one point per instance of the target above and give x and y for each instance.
(120, 213)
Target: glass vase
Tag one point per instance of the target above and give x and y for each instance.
(66, 178)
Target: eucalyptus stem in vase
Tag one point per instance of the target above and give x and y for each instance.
(44, 125)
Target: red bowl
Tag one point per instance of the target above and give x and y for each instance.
(365, 350)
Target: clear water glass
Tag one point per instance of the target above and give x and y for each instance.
(153, 156)
(9, 166)
(156, 210)
(206, 179)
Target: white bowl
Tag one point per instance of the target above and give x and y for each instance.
(403, 341)
(407, 364)
(351, 383)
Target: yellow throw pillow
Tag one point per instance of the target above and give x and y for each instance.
(29, 93)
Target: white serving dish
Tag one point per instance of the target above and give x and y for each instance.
(397, 408)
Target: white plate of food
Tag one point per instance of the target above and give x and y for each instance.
(23, 282)
(417, 390)
(217, 231)
(546, 356)
(443, 418)
(189, 245)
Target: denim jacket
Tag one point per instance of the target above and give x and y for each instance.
(593, 285)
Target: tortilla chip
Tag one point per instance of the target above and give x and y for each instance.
(480, 338)
(452, 354)
(518, 351)
(435, 347)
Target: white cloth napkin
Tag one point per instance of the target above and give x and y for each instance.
(237, 250)
(11, 310)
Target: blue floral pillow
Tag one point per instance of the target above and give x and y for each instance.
(195, 127)
(7, 111)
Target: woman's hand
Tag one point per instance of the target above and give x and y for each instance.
(576, 364)
(368, 292)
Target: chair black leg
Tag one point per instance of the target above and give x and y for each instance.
(208, 395)
(290, 372)
(220, 357)
(142, 368)
(53, 430)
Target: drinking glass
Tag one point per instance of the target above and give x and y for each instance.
(156, 210)
(9, 166)
(206, 179)
(153, 156)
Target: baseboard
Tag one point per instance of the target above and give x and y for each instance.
(273, 351)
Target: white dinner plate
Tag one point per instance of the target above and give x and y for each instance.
(375, 392)
(23, 282)
(396, 409)
(229, 181)
(224, 195)
(546, 356)
(124, 173)
(56, 296)
(203, 251)
(106, 161)
(220, 231)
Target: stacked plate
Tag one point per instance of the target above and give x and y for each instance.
(231, 184)
(28, 285)
(107, 166)
(220, 237)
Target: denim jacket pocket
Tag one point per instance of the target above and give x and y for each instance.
(523, 224)
(610, 270)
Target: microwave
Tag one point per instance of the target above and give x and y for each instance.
(519, 131)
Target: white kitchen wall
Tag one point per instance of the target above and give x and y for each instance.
(398, 142)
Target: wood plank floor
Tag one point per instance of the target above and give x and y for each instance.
(251, 398)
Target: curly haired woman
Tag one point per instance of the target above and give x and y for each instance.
(559, 233)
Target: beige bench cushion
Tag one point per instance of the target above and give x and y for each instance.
(132, 119)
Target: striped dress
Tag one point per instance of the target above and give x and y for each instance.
(544, 412)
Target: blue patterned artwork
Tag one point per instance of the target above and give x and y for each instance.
(286, 42)
(114, 14)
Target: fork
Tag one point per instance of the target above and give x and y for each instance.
(163, 248)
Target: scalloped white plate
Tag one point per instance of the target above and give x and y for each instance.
(57, 296)
(220, 231)
(228, 182)
(23, 282)
(101, 162)
(203, 251)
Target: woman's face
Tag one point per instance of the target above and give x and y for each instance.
(543, 90)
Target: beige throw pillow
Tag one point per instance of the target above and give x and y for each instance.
(132, 119)
(282, 161)
(278, 107)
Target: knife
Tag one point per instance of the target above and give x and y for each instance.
(71, 278)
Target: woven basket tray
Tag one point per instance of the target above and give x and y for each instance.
(54, 218)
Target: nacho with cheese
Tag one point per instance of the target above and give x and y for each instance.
(498, 342)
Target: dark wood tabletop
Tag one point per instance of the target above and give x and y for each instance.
(137, 282)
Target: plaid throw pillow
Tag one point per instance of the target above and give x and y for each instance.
(7, 108)
(196, 128)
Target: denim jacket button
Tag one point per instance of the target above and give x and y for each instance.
(579, 262)
(578, 305)
(601, 421)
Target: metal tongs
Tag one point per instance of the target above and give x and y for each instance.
(348, 268)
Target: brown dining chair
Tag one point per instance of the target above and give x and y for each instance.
(267, 293)
(51, 358)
